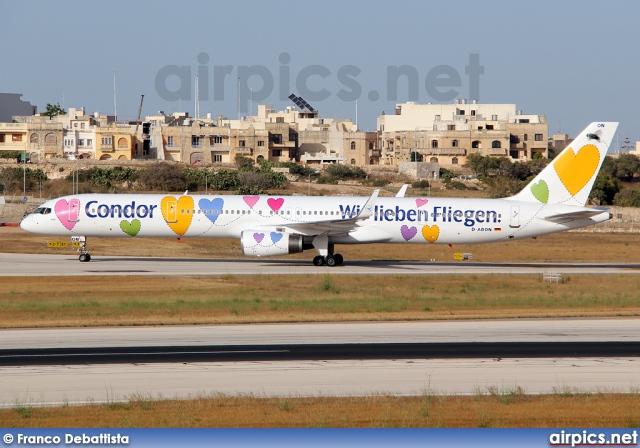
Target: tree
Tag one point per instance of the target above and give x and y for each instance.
(627, 165)
(483, 165)
(53, 110)
(629, 197)
(604, 188)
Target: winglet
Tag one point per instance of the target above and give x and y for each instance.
(367, 210)
(402, 191)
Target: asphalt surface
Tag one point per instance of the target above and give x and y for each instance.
(68, 265)
(445, 357)
(316, 352)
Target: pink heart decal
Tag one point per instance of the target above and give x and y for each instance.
(66, 211)
(251, 200)
(275, 204)
(421, 202)
(408, 232)
(258, 237)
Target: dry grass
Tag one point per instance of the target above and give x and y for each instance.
(99, 301)
(28, 302)
(563, 247)
(489, 408)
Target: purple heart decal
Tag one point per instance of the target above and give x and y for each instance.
(258, 237)
(408, 232)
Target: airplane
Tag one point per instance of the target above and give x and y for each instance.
(553, 201)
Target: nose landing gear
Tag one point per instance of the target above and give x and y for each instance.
(85, 256)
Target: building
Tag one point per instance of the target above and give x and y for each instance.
(114, 141)
(447, 133)
(11, 104)
(37, 137)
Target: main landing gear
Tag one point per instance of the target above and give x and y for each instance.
(329, 260)
(85, 256)
(325, 249)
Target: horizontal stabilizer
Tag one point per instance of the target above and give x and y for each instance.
(580, 214)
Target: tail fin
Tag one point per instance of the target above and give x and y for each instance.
(569, 177)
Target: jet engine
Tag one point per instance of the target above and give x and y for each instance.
(264, 242)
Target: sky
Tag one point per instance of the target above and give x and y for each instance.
(573, 61)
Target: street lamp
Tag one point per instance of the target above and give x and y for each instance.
(24, 175)
(314, 173)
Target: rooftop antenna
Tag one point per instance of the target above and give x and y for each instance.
(356, 115)
(197, 102)
(115, 104)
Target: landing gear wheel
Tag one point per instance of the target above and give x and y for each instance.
(339, 259)
(84, 257)
(88, 257)
(330, 260)
(318, 260)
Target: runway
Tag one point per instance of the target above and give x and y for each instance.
(108, 382)
(68, 265)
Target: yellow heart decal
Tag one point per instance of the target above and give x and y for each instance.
(177, 212)
(575, 170)
(431, 233)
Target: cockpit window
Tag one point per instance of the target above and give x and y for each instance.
(42, 211)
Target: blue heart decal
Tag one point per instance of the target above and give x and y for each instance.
(275, 237)
(209, 207)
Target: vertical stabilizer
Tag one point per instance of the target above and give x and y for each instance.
(568, 179)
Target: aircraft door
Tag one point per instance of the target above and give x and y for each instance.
(298, 212)
(171, 210)
(514, 220)
(74, 210)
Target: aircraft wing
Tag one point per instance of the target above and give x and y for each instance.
(402, 191)
(335, 226)
(564, 217)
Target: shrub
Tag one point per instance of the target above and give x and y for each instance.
(243, 162)
(379, 182)
(454, 185)
(11, 178)
(251, 182)
(105, 178)
(327, 180)
(421, 184)
(346, 172)
(164, 176)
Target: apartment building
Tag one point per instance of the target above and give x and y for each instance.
(447, 133)
(37, 137)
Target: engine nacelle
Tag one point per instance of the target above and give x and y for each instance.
(264, 242)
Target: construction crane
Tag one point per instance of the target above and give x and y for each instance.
(135, 133)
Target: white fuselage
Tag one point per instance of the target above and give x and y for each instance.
(394, 220)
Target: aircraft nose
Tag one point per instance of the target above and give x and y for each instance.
(27, 223)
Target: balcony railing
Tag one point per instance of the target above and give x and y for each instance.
(243, 150)
(442, 151)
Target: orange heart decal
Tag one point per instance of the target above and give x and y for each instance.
(177, 212)
(575, 170)
(431, 233)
